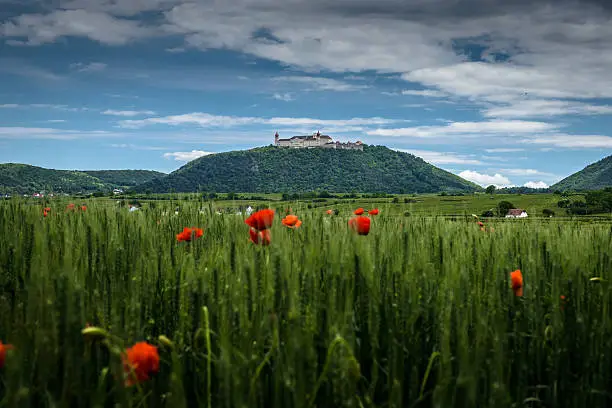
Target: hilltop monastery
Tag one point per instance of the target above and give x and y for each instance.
(315, 140)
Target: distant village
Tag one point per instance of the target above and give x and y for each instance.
(315, 140)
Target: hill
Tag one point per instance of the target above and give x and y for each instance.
(271, 169)
(125, 178)
(595, 176)
(23, 178)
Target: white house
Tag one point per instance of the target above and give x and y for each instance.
(517, 213)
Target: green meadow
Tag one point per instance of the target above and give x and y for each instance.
(419, 313)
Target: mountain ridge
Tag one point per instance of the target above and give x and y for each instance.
(595, 176)
(24, 178)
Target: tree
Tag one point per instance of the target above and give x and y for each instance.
(503, 207)
(490, 189)
(548, 212)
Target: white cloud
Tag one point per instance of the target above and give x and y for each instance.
(63, 108)
(485, 180)
(287, 97)
(524, 172)
(50, 133)
(127, 112)
(506, 82)
(97, 26)
(135, 147)
(90, 67)
(56, 120)
(120, 8)
(504, 150)
(187, 156)
(477, 129)
(322, 84)
(441, 157)
(535, 184)
(572, 141)
(546, 108)
(427, 93)
(208, 120)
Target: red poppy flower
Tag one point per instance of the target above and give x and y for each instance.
(262, 237)
(517, 282)
(329, 212)
(359, 211)
(291, 221)
(360, 224)
(70, 207)
(564, 301)
(83, 208)
(374, 211)
(261, 220)
(480, 224)
(3, 349)
(139, 362)
(188, 233)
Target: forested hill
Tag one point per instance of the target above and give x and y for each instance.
(22, 178)
(271, 169)
(593, 177)
(125, 178)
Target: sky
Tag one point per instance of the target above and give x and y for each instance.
(505, 93)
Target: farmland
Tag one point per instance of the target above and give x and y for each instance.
(418, 313)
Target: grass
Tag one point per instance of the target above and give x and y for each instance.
(419, 313)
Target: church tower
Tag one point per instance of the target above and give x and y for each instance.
(276, 139)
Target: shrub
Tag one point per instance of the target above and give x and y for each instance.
(564, 203)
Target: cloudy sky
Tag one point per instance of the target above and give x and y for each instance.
(500, 93)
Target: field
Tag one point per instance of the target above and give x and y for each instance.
(419, 205)
(418, 313)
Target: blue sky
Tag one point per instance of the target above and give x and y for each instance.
(499, 94)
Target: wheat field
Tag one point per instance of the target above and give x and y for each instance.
(418, 313)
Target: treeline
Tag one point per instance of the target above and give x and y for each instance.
(324, 195)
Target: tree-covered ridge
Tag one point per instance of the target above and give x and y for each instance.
(22, 178)
(125, 178)
(376, 169)
(593, 177)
